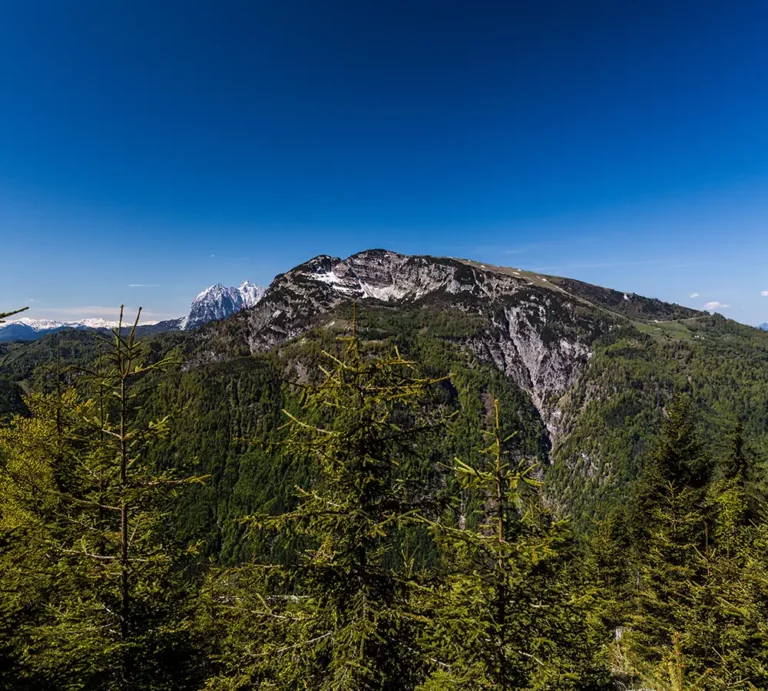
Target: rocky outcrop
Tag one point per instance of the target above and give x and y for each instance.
(540, 329)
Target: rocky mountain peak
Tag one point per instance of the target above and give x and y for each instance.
(539, 328)
(219, 301)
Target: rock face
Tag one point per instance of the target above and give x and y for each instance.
(539, 328)
(219, 301)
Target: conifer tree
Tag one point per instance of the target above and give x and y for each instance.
(341, 619)
(30, 502)
(728, 496)
(508, 610)
(113, 613)
(725, 633)
(671, 532)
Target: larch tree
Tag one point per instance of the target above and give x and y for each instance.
(342, 617)
(113, 611)
(508, 609)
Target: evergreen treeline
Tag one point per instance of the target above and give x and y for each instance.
(339, 515)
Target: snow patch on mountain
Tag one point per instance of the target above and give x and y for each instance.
(38, 324)
(251, 293)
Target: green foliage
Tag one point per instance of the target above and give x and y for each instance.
(695, 572)
(334, 545)
(615, 411)
(507, 608)
(86, 514)
(343, 621)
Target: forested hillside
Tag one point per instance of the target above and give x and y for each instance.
(498, 481)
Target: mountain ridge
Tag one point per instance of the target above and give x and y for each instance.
(540, 327)
(215, 302)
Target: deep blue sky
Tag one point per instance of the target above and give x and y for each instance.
(623, 143)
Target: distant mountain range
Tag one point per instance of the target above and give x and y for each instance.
(215, 302)
(32, 329)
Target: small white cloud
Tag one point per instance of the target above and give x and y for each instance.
(715, 305)
(764, 293)
(143, 285)
(213, 255)
(694, 295)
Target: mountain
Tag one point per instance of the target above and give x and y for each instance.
(597, 365)
(219, 302)
(540, 329)
(215, 302)
(32, 329)
(586, 370)
(763, 326)
(578, 381)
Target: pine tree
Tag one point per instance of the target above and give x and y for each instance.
(341, 619)
(30, 503)
(671, 534)
(728, 497)
(112, 614)
(725, 633)
(508, 609)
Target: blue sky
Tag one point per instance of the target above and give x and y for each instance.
(178, 144)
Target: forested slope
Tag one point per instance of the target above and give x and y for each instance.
(514, 481)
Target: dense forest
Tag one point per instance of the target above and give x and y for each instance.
(372, 506)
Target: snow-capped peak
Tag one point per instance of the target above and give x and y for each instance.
(47, 324)
(219, 301)
(251, 293)
(214, 292)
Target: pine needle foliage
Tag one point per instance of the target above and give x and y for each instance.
(508, 610)
(696, 597)
(672, 674)
(342, 618)
(110, 612)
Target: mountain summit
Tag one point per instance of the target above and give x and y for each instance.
(539, 330)
(219, 301)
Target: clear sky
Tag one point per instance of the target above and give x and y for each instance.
(179, 144)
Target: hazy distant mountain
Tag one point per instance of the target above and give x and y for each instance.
(215, 302)
(763, 326)
(32, 329)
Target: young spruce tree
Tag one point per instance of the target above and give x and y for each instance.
(509, 607)
(671, 538)
(86, 514)
(342, 618)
